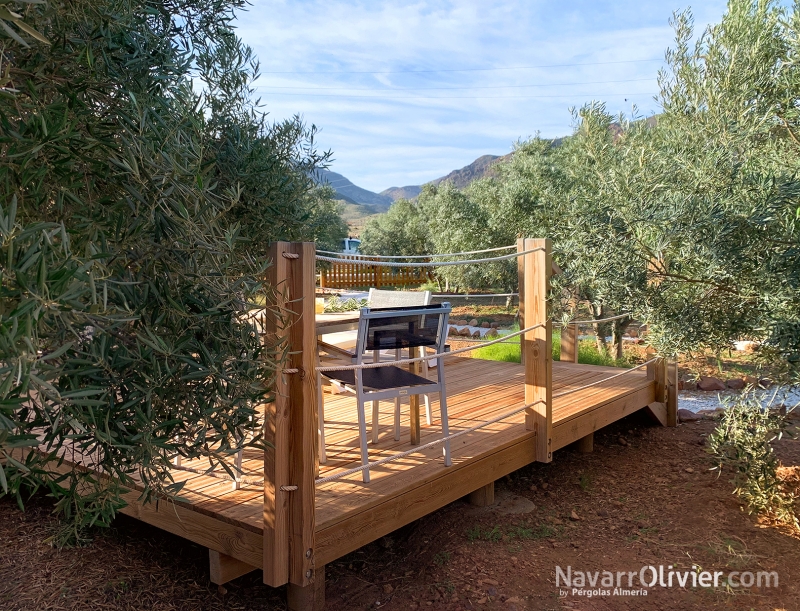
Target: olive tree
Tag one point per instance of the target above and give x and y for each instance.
(401, 230)
(139, 186)
(687, 220)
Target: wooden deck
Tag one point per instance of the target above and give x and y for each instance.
(349, 513)
(281, 521)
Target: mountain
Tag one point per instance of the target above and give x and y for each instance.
(380, 202)
(409, 192)
(359, 204)
(353, 194)
(479, 168)
(460, 178)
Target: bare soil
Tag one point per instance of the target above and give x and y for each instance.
(645, 496)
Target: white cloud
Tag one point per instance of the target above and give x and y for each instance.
(410, 132)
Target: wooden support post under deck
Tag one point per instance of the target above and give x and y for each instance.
(569, 344)
(310, 597)
(586, 444)
(657, 371)
(224, 568)
(537, 345)
(483, 496)
(290, 423)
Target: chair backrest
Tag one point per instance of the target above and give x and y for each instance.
(406, 327)
(397, 299)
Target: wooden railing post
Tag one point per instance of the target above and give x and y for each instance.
(537, 345)
(672, 393)
(276, 430)
(665, 375)
(303, 410)
(290, 424)
(657, 371)
(569, 344)
(521, 291)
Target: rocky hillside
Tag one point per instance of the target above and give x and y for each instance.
(479, 168)
(354, 194)
(460, 178)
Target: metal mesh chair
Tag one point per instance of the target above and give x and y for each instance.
(394, 329)
(387, 299)
(396, 299)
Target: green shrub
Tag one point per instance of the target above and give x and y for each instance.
(140, 188)
(336, 304)
(742, 445)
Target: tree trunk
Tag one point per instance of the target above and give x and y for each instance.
(600, 329)
(624, 323)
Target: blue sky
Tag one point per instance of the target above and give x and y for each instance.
(404, 92)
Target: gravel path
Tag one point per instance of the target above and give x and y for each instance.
(698, 400)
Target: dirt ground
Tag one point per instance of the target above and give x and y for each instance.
(645, 496)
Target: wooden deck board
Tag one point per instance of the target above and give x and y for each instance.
(471, 382)
(350, 513)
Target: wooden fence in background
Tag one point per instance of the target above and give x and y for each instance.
(352, 276)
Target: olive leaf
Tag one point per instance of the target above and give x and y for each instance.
(7, 16)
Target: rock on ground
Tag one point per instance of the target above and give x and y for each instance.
(684, 415)
(710, 383)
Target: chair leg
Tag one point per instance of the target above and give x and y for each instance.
(427, 397)
(362, 433)
(397, 355)
(397, 419)
(375, 417)
(376, 358)
(445, 428)
(323, 456)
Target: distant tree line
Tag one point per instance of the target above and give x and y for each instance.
(688, 220)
